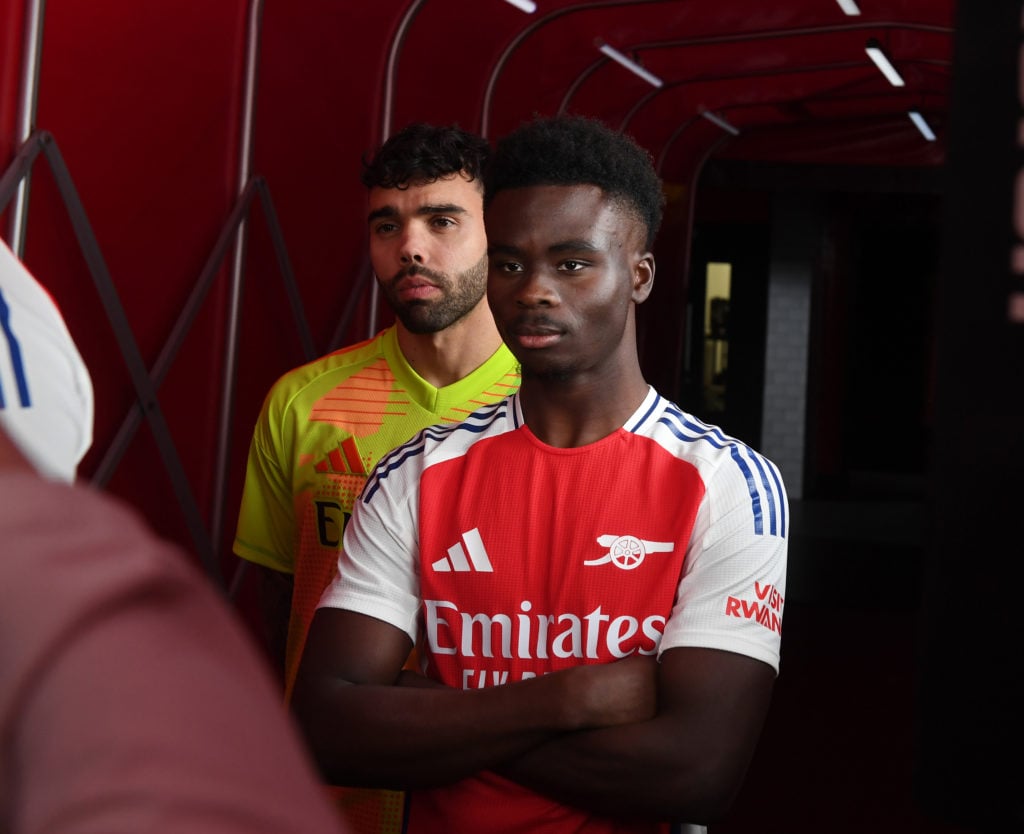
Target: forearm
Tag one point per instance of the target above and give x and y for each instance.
(370, 724)
(637, 771)
(414, 737)
(684, 765)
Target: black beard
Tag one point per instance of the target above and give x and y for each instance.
(458, 298)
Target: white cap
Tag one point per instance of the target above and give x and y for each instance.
(46, 397)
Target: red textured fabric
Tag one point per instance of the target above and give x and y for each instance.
(130, 699)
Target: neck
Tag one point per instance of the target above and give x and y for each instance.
(447, 356)
(571, 413)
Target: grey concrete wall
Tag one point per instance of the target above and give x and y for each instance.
(795, 243)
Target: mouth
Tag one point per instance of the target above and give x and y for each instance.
(414, 287)
(535, 335)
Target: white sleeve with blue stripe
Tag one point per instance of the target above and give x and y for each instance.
(733, 588)
(46, 395)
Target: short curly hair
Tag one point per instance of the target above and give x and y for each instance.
(575, 150)
(423, 153)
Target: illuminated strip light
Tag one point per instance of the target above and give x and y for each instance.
(849, 7)
(922, 125)
(631, 65)
(875, 53)
(722, 123)
(527, 6)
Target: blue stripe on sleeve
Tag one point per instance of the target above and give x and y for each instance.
(766, 479)
(755, 497)
(17, 361)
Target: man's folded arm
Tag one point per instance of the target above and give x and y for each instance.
(366, 730)
(685, 764)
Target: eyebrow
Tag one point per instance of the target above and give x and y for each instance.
(555, 249)
(421, 211)
(574, 246)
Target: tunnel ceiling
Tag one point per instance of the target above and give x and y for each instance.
(792, 79)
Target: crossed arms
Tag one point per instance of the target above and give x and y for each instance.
(639, 738)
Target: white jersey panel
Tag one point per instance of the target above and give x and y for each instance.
(384, 581)
(46, 394)
(738, 548)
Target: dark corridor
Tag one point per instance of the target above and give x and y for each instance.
(838, 750)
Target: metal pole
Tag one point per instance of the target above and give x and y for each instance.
(387, 115)
(143, 385)
(237, 275)
(117, 448)
(391, 72)
(28, 100)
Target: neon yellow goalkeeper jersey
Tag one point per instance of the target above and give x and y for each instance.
(322, 428)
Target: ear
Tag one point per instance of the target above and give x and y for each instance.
(643, 277)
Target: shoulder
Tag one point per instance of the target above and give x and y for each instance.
(705, 445)
(442, 442)
(48, 411)
(731, 470)
(324, 373)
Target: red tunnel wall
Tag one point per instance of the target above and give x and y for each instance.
(145, 104)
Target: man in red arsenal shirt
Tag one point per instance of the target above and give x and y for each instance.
(594, 578)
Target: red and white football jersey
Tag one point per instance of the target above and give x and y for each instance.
(505, 558)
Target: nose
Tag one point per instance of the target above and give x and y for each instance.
(535, 289)
(411, 248)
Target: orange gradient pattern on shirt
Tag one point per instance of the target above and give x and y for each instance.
(360, 404)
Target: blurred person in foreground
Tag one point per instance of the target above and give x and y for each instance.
(130, 698)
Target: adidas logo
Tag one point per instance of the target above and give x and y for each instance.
(344, 459)
(466, 560)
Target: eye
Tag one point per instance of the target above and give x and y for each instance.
(385, 228)
(508, 267)
(572, 265)
(443, 222)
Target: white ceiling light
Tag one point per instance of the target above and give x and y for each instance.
(849, 7)
(722, 123)
(527, 6)
(922, 125)
(876, 54)
(631, 65)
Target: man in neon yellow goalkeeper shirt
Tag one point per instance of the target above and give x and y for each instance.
(324, 425)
